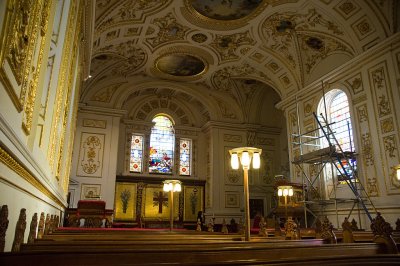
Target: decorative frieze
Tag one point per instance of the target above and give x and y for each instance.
(233, 138)
(94, 123)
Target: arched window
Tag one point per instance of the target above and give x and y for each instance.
(161, 150)
(337, 113)
(338, 116)
(162, 142)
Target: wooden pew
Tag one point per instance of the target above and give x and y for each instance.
(192, 255)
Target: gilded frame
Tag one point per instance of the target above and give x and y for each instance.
(90, 191)
(193, 202)
(125, 201)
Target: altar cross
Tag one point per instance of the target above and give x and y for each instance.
(160, 199)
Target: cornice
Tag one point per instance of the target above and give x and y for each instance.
(9, 161)
(83, 108)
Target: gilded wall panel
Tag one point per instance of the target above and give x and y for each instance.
(91, 151)
(386, 127)
(193, 198)
(62, 91)
(36, 72)
(19, 37)
(356, 84)
(366, 157)
(157, 203)
(73, 88)
(125, 201)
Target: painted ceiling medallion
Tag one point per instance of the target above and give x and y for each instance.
(180, 65)
(225, 9)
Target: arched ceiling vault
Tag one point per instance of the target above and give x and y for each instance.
(213, 52)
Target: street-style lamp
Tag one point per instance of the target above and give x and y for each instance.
(246, 154)
(172, 186)
(285, 191)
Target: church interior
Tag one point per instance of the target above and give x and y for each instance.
(209, 126)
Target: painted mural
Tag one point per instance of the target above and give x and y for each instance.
(181, 65)
(225, 9)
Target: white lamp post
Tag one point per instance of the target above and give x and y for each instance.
(285, 191)
(172, 186)
(246, 154)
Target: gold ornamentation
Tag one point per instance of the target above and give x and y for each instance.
(390, 145)
(381, 95)
(60, 96)
(280, 33)
(90, 162)
(30, 102)
(356, 84)
(366, 147)
(347, 7)
(363, 28)
(387, 125)
(314, 56)
(227, 45)
(199, 37)
(372, 187)
(169, 30)
(129, 12)
(362, 113)
(105, 94)
(20, 38)
(134, 58)
(222, 78)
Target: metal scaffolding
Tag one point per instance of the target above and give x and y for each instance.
(318, 161)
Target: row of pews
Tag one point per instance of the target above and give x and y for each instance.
(90, 246)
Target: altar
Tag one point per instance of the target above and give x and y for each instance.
(89, 213)
(143, 203)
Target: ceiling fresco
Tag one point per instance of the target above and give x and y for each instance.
(205, 46)
(225, 9)
(180, 65)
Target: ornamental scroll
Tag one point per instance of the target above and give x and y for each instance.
(91, 152)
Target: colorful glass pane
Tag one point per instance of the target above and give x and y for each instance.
(340, 116)
(185, 157)
(135, 164)
(162, 141)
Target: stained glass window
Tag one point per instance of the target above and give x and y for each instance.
(184, 156)
(135, 164)
(162, 141)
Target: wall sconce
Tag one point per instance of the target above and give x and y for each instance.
(172, 186)
(246, 154)
(398, 172)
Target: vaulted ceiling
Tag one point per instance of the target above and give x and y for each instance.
(222, 59)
